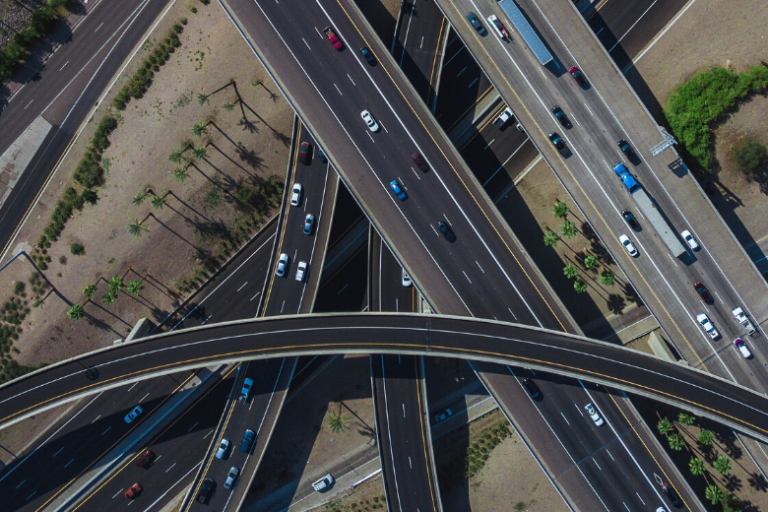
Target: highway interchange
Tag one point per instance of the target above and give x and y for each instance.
(453, 280)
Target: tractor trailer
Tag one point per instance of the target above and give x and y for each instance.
(526, 31)
(650, 210)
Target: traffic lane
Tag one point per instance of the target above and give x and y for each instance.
(52, 85)
(629, 370)
(15, 208)
(420, 39)
(345, 289)
(82, 442)
(408, 471)
(237, 287)
(178, 450)
(244, 416)
(394, 296)
(285, 295)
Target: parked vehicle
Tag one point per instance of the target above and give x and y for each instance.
(369, 121)
(301, 271)
(444, 415)
(743, 320)
(223, 449)
(592, 413)
(133, 414)
(703, 319)
(231, 477)
(145, 459)
(324, 483)
(743, 349)
(245, 390)
(333, 38)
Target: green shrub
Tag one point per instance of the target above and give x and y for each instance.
(77, 249)
(751, 158)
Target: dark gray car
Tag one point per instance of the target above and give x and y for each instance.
(248, 438)
(472, 18)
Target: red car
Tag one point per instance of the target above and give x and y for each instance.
(133, 491)
(333, 38)
(146, 459)
(419, 161)
(702, 291)
(578, 75)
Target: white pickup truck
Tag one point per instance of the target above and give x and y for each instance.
(740, 317)
(503, 118)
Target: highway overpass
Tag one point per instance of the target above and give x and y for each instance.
(386, 333)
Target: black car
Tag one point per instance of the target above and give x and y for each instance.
(560, 115)
(321, 155)
(627, 149)
(670, 494)
(532, 389)
(368, 55)
(556, 140)
(447, 232)
(248, 438)
(472, 18)
(206, 491)
(630, 219)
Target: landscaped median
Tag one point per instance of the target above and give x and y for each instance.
(180, 164)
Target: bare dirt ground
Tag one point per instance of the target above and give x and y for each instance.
(719, 33)
(303, 440)
(245, 145)
(530, 205)
(15, 16)
(510, 480)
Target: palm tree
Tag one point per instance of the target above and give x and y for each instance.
(337, 422)
(229, 107)
(697, 466)
(158, 202)
(136, 227)
(722, 465)
(706, 437)
(590, 262)
(180, 175)
(90, 291)
(570, 271)
(199, 129)
(551, 238)
(664, 426)
(202, 99)
(676, 442)
(76, 312)
(607, 278)
(116, 284)
(686, 418)
(713, 494)
(580, 286)
(139, 198)
(561, 210)
(109, 297)
(568, 229)
(200, 152)
(176, 157)
(257, 83)
(135, 286)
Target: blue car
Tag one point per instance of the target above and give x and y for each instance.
(395, 186)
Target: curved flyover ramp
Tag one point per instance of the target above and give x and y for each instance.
(497, 342)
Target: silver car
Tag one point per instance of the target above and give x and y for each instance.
(282, 265)
(231, 477)
(301, 271)
(223, 449)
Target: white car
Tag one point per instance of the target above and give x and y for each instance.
(745, 352)
(370, 121)
(324, 483)
(707, 325)
(282, 264)
(133, 414)
(661, 509)
(223, 449)
(298, 190)
(628, 245)
(231, 477)
(301, 271)
(592, 412)
(406, 279)
(693, 244)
